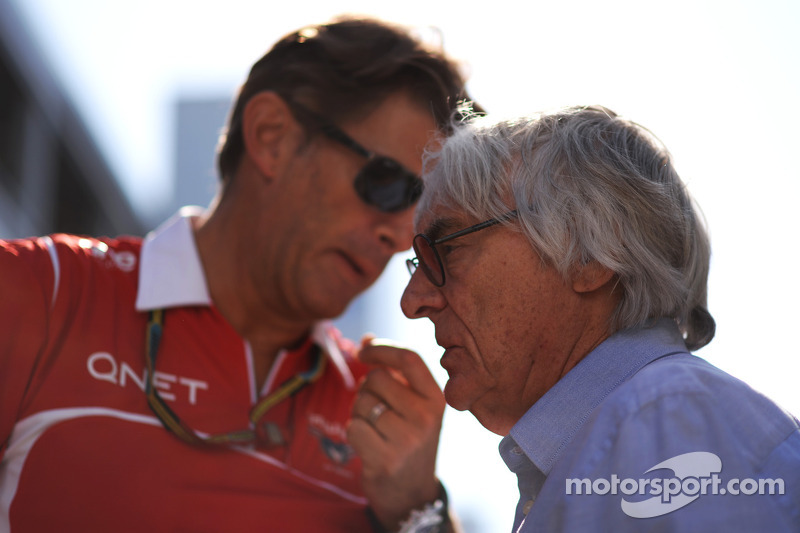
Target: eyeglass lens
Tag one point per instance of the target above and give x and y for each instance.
(429, 259)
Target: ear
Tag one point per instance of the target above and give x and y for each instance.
(267, 124)
(590, 277)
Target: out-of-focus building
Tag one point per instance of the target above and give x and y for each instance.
(52, 176)
(199, 122)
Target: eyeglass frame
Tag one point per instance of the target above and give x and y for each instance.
(412, 182)
(414, 263)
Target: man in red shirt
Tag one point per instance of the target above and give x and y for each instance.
(188, 381)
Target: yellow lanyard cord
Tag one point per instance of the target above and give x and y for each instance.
(173, 423)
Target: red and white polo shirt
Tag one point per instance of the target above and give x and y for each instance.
(81, 450)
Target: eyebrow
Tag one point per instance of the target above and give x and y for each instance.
(442, 226)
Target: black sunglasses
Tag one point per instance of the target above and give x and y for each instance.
(382, 182)
(430, 260)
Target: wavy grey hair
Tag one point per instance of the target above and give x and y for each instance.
(588, 186)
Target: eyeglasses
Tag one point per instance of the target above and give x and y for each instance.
(430, 260)
(382, 182)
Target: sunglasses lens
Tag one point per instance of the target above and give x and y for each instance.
(429, 260)
(388, 186)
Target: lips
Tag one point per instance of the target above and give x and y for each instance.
(352, 262)
(444, 342)
(362, 267)
(449, 359)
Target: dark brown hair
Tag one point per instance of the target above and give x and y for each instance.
(342, 70)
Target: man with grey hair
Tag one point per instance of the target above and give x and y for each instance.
(565, 269)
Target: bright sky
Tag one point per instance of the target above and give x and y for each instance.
(717, 81)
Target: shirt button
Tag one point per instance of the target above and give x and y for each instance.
(527, 507)
(516, 450)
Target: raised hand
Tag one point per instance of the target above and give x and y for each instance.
(397, 418)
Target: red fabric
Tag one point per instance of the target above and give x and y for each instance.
(94, 457)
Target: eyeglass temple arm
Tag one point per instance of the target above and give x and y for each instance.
(331, 130)
(476, 227)
(338, 135)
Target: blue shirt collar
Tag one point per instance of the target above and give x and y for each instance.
(546, 429)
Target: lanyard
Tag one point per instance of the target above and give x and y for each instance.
(173, 423)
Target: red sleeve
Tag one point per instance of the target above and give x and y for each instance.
(27, 279)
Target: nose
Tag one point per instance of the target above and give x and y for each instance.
(396, 230)
(421, 298)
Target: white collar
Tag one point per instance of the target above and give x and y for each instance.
(170, 272)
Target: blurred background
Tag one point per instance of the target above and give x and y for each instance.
(110, 110)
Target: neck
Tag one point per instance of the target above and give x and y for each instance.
(237, 297)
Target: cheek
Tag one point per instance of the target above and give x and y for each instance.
(513, 327)
(504, 311)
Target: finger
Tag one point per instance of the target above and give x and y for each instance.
(367, 339)
(372, 447)
(398, 395)
(405, 427)
(369, 406)
(374, 410)
(401, 433)
(395, 425)
(407, 363)
(381, 452)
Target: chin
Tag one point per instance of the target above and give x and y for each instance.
(455, 396)
(329, 306)
(462, 399)
(331, 312)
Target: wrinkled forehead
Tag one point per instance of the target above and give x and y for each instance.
(450, 202)
(438, 220)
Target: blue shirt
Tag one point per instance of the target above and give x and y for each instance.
(726, 458)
